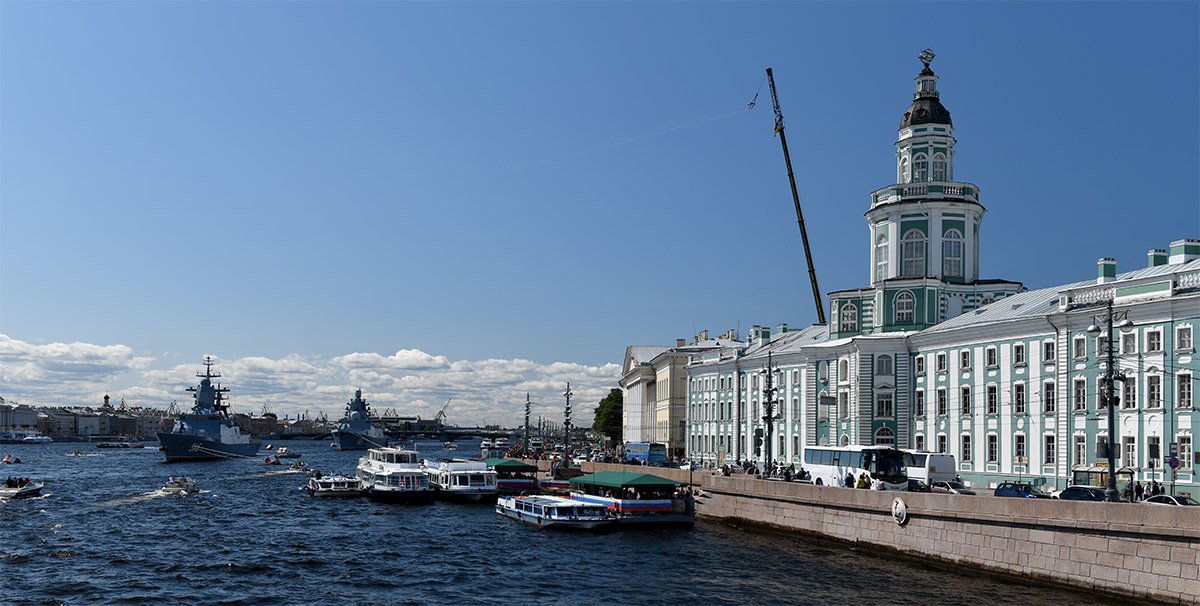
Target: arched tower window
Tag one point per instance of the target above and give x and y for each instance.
(885, 436)
(912, 253)
(849, 317)
(920, 168)
(939, 167)
(952, 254)
(881, 257)
(904, 176)
(883, 365)
(904, 308)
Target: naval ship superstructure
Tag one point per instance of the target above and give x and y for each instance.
(356, 431)
(207, 432)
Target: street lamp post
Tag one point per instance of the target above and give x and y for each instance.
(768, 417)
(1110, 493)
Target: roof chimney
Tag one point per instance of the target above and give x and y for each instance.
(1156, 257)
(782, 328)
(703, 335)
(1184, 250)
(1106, 270)
(680, 342)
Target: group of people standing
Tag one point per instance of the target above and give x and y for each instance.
(1151, 489)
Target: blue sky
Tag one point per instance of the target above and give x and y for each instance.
(531, 183)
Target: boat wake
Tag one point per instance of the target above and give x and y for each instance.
(145, 496)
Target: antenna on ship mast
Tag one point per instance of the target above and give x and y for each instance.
(812, 272)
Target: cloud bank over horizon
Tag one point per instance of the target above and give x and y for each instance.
(410, 381)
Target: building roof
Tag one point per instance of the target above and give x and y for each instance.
(642, 354)
(926, 110)
(509, 465)
(1044, 301)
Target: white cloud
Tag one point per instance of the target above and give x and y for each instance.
(410, 381)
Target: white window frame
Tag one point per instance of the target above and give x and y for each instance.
(891, 436)
(912, 254)
(939, 167)
(1018, 354)
(1185, 392)
(919, 364)
(943, 404)
(1049, 403)
(881, 257)
(1079, 452)
(964, 444)
(941, 362)
(1129, 393)
(920, 171)
(1020, 399)
(1049, 352)
(1154, 340)
(964, 399)
(1154, 386)
(919, 403)
(1079, 395)
(1183, 338)
(902, 308)
(849, 318)
(993, 399)
(1129, 343)
(953, 254)
(1020, 449)
(1049, 449)
(882, 412)
(990, 358)
(1079, 348)
(993, 448)
(964, 359)
(884, 366)
(1184, 440)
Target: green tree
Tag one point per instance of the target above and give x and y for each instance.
(608, 416)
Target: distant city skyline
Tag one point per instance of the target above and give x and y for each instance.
(474, 201)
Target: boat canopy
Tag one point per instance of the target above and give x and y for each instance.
(512, 465)
(617, 479)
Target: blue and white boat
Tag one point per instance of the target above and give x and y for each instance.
(356, 431)
(208, 432)
(554, 512)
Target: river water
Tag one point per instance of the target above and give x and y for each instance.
(103, 534)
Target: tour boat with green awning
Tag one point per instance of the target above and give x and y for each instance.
(514, 476)
(637, 498)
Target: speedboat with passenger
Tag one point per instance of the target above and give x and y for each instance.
(554, 512)
(336, 485)
(180, 485)
(394, 474)
(20, 488)
(462, 480)
(284, 452)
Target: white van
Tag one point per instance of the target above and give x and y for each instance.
(930, 467)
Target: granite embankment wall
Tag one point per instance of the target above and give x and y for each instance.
(1142, 551)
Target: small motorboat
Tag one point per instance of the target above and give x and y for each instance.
(272, 460)
(19, 488)
(180, 485)
(336, 485)
(449, 445)
(299, 466)
(284, 453)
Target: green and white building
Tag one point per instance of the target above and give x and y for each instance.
(930, 356)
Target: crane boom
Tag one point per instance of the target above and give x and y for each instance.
(812, 271)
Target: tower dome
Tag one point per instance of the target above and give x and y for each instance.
(926, 107)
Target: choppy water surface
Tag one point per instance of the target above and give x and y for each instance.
(104, 534)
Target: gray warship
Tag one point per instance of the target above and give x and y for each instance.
(207, 432)
(356, 431)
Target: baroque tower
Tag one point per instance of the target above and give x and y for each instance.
(924, 231)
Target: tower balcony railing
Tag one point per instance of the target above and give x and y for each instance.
(928, 190)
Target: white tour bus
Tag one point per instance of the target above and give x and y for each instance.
(830, 465)
(930, 467)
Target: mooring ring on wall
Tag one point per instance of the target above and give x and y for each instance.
(900, 511)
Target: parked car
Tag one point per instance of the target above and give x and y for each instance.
(952, 487)
(1019, 489)
(915, 485)
(1163, 499)
(1079, 493)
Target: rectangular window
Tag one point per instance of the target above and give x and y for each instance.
(1101, 346)
(966, 448)
(966, 401)
(843, 405)
(1129, 451)
(1019, 354)
(795, 377)
(920, 442)
(941, 362)
(1154, 445)
(883, 405)
(941, 402)
(919, 404)
(1183, 390)
(1129, 343)
(965, 359)
(1019, 398)
(1048, 447)
(1183, 338)
(989, 355)
(1020, 456)
(992, 400)
(1079, 347)
(1048, 352)
(1080, 450)
(1079, 399)
(1185, 451)
(942, 443)
(1048, 398)
(919, 365)
(1101, 443)
(1153, 391)
(1129, 394)
(993, 452)
(1153, 340)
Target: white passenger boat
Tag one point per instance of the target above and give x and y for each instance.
(486, 443)
(180, 485)
(635, 499)
(336, 485)
(554, 512)
(15, 488)
(501, 443)
(462, 480)
(24, 437)
(394, 474)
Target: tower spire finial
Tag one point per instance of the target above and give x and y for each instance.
(926, 57)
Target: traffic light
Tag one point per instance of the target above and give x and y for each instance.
(758, 439)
